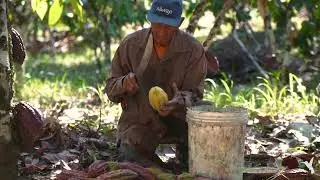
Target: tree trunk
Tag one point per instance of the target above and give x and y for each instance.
(197, 14)
(227, 5)
(107, 51)
(8, 150)
(266, 15)
(107, 40)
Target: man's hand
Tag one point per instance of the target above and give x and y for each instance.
(176, 102)
(130, 84)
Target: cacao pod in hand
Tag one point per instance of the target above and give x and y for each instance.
(157, 97)
(18, 49)
(28, 125)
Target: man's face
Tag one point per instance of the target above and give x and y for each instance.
(162, 33)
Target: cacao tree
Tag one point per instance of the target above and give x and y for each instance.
(296, 33)
(98, 22)
(8, 150)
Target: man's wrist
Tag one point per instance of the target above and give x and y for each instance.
(186, 96)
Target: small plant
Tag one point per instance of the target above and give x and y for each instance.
(271, 96)
(267, 97)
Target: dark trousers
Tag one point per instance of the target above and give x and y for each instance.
(178, 128)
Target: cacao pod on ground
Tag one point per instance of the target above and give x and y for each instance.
(121, 174)
(72, 174)
(18, 49)
(28, 126)
(157, 97)
(97, 168)
(141, 171)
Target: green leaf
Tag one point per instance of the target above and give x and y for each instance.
(77, 8)
(42, 8)
(55, 12)
(227, 88)
(34, 4)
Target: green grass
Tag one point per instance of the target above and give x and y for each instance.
(55, 82)
(266, 96)
(50, 77)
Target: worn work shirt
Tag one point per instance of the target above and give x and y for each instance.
(184, 64)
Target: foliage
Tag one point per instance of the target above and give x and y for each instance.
(303, 16)
(54, 11)
(266, 97)
(100, 23)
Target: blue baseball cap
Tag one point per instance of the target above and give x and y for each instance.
(166, 12)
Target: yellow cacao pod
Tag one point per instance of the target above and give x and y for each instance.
(157, 97)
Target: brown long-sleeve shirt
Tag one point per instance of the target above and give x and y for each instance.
(184, 64)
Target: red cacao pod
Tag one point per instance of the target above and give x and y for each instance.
(97, 168)
(142, 172)
(29, 125)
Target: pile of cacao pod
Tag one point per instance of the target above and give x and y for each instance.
(28, 125)
(104, 170)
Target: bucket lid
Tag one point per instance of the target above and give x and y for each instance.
(211, 114)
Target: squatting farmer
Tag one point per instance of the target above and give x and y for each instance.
(163, 56)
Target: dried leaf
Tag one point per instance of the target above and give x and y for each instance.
(64, 155)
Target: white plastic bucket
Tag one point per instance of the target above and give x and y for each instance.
(216, 141)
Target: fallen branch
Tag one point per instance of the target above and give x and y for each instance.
(249, 31)
(250, 56)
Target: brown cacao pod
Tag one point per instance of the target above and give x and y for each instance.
(28, 125)
(18, 48)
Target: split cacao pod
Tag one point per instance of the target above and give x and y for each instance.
(28, 126)
(157, 97)
(18, 48)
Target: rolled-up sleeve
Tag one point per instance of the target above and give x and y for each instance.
(194, 78)
(192, 88)
(114, 85)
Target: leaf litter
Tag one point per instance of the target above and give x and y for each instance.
(275, 147)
